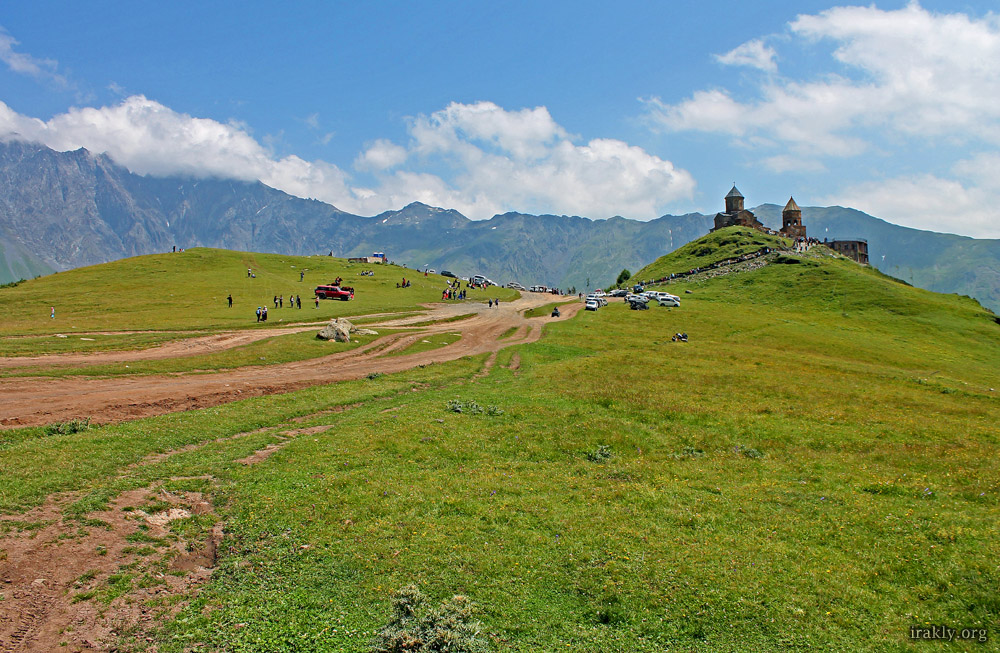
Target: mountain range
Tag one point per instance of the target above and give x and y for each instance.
(60, 210)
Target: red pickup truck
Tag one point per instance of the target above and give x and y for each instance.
(335, 292)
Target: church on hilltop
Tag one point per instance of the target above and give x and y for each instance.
(791, 220)
(736, 215)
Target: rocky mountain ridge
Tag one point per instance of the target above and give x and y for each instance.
(60, 210)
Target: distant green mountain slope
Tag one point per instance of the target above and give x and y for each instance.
(17, 263)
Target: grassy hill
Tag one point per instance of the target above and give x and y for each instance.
(816, 469)
(721, 245)
(186, 291)
(936, 261)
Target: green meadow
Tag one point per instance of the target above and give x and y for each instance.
(147, 301)
(187, 290)
(817, 468)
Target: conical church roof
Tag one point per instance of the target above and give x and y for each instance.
(734, 193)
(791, 206)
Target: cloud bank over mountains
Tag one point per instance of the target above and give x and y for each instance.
(899, 79)
(893, 112)
(497, 160)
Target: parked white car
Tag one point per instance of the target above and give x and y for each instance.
(673, 302)
(591, 305)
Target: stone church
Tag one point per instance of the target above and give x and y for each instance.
(791, 220)
(736, 215)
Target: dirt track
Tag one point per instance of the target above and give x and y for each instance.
(38, 400)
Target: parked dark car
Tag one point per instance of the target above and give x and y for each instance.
(446, 273)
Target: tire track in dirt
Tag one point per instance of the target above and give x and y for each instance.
(39, 400)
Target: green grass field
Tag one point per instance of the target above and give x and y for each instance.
(816, 469)
(187, 291)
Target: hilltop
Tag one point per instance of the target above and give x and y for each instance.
(723, 245)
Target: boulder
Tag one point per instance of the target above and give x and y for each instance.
(338, 329)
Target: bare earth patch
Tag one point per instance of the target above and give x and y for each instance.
(85, 585)
(32, 401)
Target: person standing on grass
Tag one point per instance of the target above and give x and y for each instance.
(302, 275)
(276, 301)
(298, 301)
(230, 299)
(281, 301)
(317, 300)
(258, 313)
(52, 313)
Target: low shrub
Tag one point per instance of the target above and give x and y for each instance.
(415, 627)
(601, 454)
(67, 428)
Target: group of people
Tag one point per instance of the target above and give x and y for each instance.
(451, 293)
(367, 273)
(262, 313)
(294, 301)
(803, 244)
(405, 284)
(251, 274)
(680, 337)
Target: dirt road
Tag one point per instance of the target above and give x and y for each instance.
(38, 400)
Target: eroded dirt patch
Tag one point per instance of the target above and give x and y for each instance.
(28, 401)
(88, 584)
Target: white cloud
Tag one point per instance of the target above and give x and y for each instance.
(927, 202)
(496, 160)
(150, 138)
(908, 72)
(25, 64)
(753, 53)
(787, 163)
(381, 155)
(523, 160)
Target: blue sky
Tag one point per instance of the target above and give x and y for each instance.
(588, 108)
